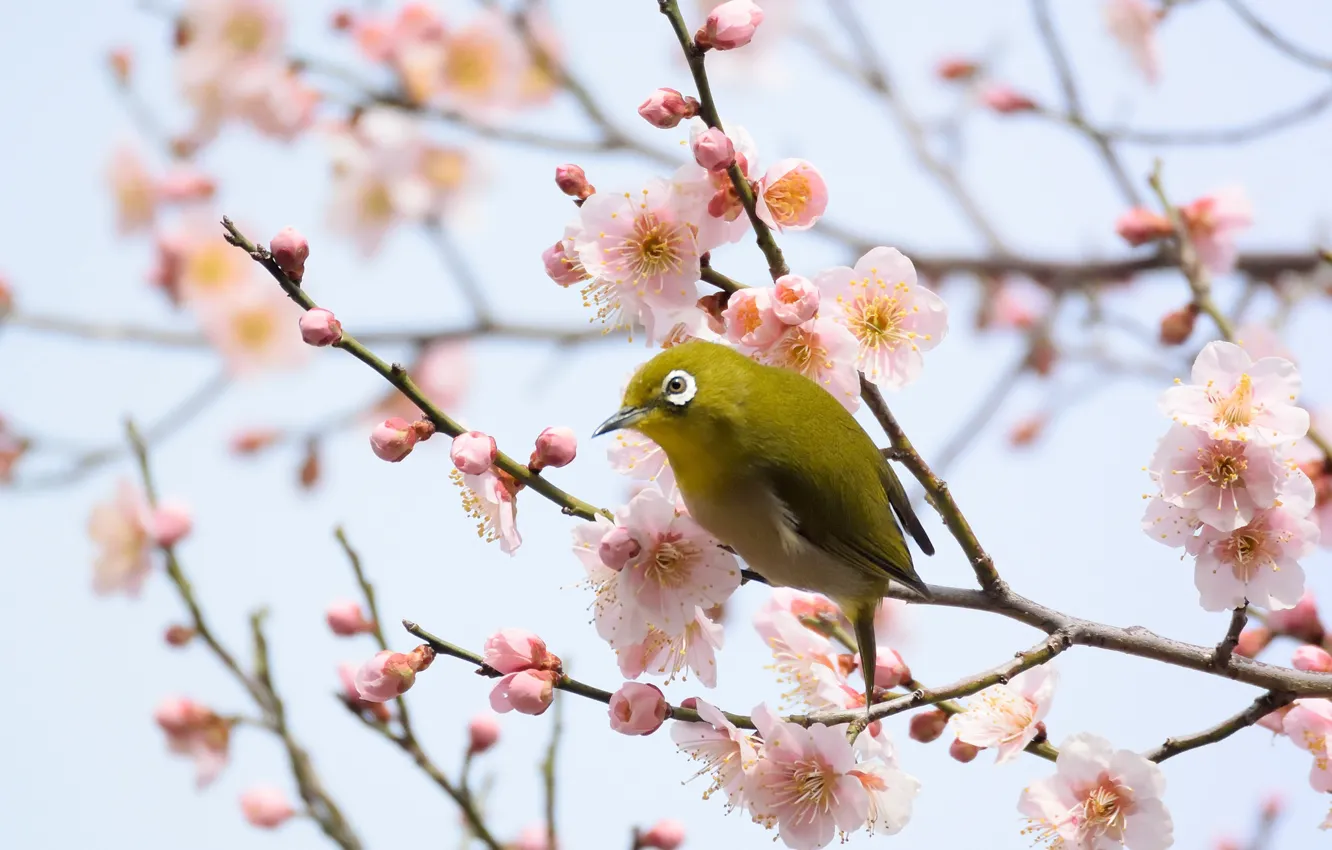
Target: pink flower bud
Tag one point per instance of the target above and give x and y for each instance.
(392, 439)
(1313, 659)
(254, 440)
(665, 834)
(1006, 100)
(1253, 641)
(122, 63)
(690, 703)
(290, 251)
(927, 726)
(713, 150)
(1300, 622)
(1275, 721)
(1177, 325)
(1027, 431)
(554, 447)
(956, 69)
(170, 524)
(178, 635)
(345, 618)
(618, 548)
(795, 299)
(962, 751)
(572, 181)
(319, 327)
(637, 709)
(532, 837)
(750, 317)
(352, 696)
(890, 670)
(482, 733)
(730, 25)
(526, 692)
(184, 184)
(178, 714)
(1273, 805)
(562, 266)
(666, 108)
(474, 452)
(385, 676)
(511, 650)
(266, 807)
(1139, 226)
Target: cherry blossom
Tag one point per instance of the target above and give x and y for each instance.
(822, 350)
(638, 457)
(1257, 563)
(1098, 799)
(1234, 397)
(120, 528)
(250, 330)
(693, 649)
(726, 754)
(750, 319)
(1308, 724)
(1132, 23)
(892, 317)
(1223, 482)
(791, 195)
(890, 791)
(1007, 716)
(489, 499)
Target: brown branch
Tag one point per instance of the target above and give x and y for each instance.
(1226, 648)
(1261, 707)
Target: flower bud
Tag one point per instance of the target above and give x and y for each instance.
(266, 807)
(1027, 431)
(1273, 805)
(473, 452)
(1042, 356)
(665, 834)
(526, 692)
(345, 618)
(795, 299)
(254, 440)
(1006, 100)
(352, 696)
(170, 524)
(307, 475)
(1253, 641)
(290, 251)
(713, 150)
(730, 25)
(665, 108)
(319, 327)
(177, 635)
(1139, 226)
(393, 439)
(1300, 622)
(562, 266)
(1177, 325)
(344, 20)
(483, 732)
(927, 726)
(1312, 658)
(121, 60)
(637, 709)
(572, 181)
(512, 650)
(956, 69)
(890, 670)
(6, 297)
(554, 447)
(385, 676)
(961, 751)
(618, 548)
(532, 837)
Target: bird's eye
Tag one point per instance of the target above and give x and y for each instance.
(679, 387)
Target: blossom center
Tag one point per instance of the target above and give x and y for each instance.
(245, 32)
(802, 352)
(809, 789)
(1236, 409)
(1223, 465)
(209, 268)
(671, 562)
(253, 328)
(469, 67)
(1103, 813)
(376, 203)
(443, 168)
(653, 248)
(788, 197)
(877, 321)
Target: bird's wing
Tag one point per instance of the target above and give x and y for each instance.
(897, 497)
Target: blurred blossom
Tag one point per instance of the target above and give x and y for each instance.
(1133, 23)
(441, 371)
(196, 266)
(252, 330)
(490, 499)
(1214, 221)
(196, 731)
(120, 529)
(266, 807)
(134, 188)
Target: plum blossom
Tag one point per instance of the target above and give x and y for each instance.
(1213, 222)
(1007, 717)
(1234, 397)
(483, 732)
(389, 674)
(750, 319)
(890, 790)
(805, 659)
(822, 350)
(641, 248)
(1257, 563)
(135, 189)
(791, 195)
(1301, 622)
(411, 42)
(1098, 799)
(490, 499)
(638, 457)
(693, 649)
(196, 731)
(727, 754)
(1169, 524)
(530, 672)
(665, 834)
(351, 695)
(526, 692)
(250, 330)
(197, 267)
(561, 260)
(732, 24)
(1223, 482)
(266, 807)
(483, 67)
(1133, 23)
(637, 709)
(891, 316)
(512, 650)
(722, 219)
(795, 299)
(1308, 724)
(121, 530)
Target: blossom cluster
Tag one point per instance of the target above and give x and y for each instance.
(1230, 492)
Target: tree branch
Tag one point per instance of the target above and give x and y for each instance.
(1261, 707)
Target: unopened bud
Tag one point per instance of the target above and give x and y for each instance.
(665, 108)
(393, 439)
(121, 60)
(1253, 641)
(345, 618)
(572, 181)
(961, 751)
(927, 726)
(554, 447)
(956, 69)
(178, 635)
(618, 548)
(730, 25)
(290, 251)
(1006, 100)
(665, 834)
(1177, 325)
(1139, 226)
(890, 670)
(170, 524)
(311, 467)
(713, 150)
(254, 441)
(343, 20)
(1026, 432)
(1312, 658)
(483, 732)
(473, 452)
(319, 327)
(422, 657)
(1273, 805)
(1042, 357)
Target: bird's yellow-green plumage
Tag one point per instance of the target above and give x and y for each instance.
(773, 466)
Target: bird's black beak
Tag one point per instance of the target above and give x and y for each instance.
(625, 417)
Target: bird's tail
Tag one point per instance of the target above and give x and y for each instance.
(907, 577)
(862, 620)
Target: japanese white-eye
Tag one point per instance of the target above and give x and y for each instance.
(775, 468)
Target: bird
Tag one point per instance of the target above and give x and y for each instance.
(775, 468)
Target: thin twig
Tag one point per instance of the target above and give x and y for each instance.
(1280, 42)
(548, 776)
(1226, 648)
(1261, 707)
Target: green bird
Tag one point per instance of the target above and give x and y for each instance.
(775, 468)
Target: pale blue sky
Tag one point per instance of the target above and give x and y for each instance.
(85, 765)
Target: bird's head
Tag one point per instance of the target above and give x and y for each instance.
(688, 393)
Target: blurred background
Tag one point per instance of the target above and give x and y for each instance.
(1047, 467)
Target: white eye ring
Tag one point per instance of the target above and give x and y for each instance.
(679, 387)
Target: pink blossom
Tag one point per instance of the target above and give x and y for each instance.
(712, 149)
(1168, 524)
(750, 319)
(730, 25)
(198, 266)
(249, 330)
(385, 676)
(1274, 721)
(1234, 397)
(642, 251)
(490, 499)
(638, 457)
(665, 834)
(890, 791)
(803, 783)
(1099, 799)
(185, 183)
(891, 316)
(803, 658)
(792, 195)
(345, 618)
(1007, 717)
(724, 752)
(170, 523)
(1257, 563)
(351, 695)
(412, 41)
(618, 547)
(1308, 724)
(1006, 100)
(1313, 658)
(135, 190)
(710, 197)
(795, 299)
(482, 69)
(1213, 221)
(665, 108)
(1132, 23)
(440, 372)
(526, 692)
(927, 726)
(473, 452)
(319, 327)
(555, 447)
(512, 650)
(889, 669)
(1260, 340)
(572, 181)
(1301, 622)
(196, 731)
(1140, 226)
(1223, 482)
(534, 837)
(822, 350)
(638, 709)
(266, 807)
(290, 251)
(393, 439)
(121, 528)
(483, 732)
(1018, 303)
(693, 649)
(561, 261)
